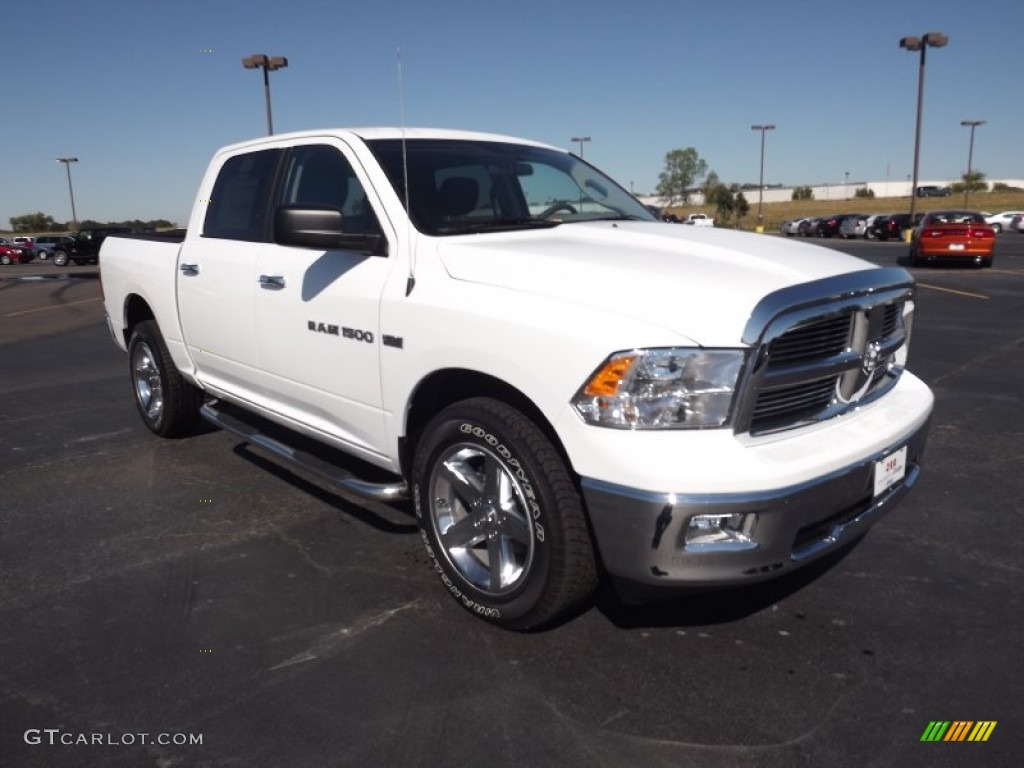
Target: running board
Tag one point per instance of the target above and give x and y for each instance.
(339, 477)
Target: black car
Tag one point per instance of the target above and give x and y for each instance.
(932, 191)
(828, 226)
(892, 227)
(85, 247)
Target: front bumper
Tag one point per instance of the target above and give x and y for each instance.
(641, 535)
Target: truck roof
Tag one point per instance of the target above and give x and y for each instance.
(389, 132)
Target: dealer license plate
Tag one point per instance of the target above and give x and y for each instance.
(890, 470)
(956, 246)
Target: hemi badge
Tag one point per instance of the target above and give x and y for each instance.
(392, 341)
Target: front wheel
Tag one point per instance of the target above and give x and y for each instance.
(5, 259)
(168, 404)
(997, 227)
(500, 516)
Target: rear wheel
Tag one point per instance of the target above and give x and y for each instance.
(60, 259)
(997, 227)
(168, 404)
(500, 516)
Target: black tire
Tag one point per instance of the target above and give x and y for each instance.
(997, 227)
(168, 404)
(60, 259)
(5, 259)
(500, 516)
(986, 263)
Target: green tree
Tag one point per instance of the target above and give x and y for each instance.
(682, 168)
(802, 193)
(710, 185)
(32, 222)
(864, 192)
(975, 180)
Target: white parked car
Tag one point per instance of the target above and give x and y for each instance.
(1000, 222)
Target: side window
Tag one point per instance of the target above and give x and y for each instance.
(238, 205)
(320, 175)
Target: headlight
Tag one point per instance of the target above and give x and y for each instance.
(661, 389)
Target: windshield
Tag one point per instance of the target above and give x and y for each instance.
(460, 186)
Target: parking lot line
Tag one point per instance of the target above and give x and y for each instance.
(958, 293)
(43, 309)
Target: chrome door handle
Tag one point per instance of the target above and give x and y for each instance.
(189, 269)
(273, 282)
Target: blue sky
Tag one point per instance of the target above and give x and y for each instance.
(128, 87)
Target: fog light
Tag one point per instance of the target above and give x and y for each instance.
(720, 533)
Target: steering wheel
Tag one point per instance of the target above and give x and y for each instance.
(556, 208)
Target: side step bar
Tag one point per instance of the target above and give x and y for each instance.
(339, 477)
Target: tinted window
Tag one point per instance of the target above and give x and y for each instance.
(459, 185)
(239, 203)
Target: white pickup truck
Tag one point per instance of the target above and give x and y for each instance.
(561, 383)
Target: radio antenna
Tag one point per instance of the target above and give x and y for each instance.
(411, 280)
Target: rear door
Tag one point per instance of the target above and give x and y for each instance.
(318, 311)
(218, 276)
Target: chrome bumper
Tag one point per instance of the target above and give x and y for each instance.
(642, 535)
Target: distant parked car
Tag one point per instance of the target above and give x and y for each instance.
(892, 227)
(869, 224)
(953, 235)
(829, 225)
(791, 227)
(1000, 222)
(46, 245)
(808, 227)
(853, 225)
(11, 254)
(932, 191)
(27, 244)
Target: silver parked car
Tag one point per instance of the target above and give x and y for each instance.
(853, 225)
(791, 227)
(1000, 222)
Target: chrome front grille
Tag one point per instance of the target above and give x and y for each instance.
(823, 356)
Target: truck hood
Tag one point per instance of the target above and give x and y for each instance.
(700, 283)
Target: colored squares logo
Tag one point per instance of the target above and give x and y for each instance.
(958, 730)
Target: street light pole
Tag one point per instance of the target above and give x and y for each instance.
(970, 156)
(935, 40)
(268, 64)
(760, 184)
(67, 166)
(580, 139)
(846, 184)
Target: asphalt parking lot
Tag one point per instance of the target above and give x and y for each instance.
(194, 587)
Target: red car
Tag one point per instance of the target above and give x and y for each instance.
(953, 236)
(10, 254)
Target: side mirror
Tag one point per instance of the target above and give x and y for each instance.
(321, 227)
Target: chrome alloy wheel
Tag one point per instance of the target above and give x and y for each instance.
(149, 389)
(480, 513)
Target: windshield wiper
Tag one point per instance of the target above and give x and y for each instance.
(497, 225)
